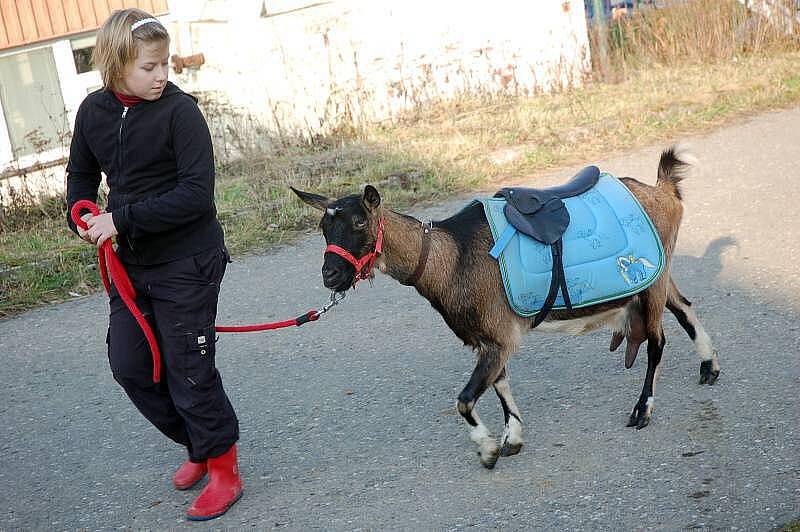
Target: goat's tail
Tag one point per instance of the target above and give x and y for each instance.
(673, 168)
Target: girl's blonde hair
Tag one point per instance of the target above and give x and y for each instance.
(117, 44)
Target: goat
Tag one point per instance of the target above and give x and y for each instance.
(463, 283)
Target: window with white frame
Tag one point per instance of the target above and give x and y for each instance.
(32, 103)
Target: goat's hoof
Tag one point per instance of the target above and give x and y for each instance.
(489, 457)
(510, 449)
(640, 417)
(707, 374)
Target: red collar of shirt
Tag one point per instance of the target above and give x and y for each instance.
(127, 101)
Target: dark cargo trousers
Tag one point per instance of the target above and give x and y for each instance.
(179, 300)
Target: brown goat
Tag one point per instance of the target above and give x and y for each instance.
(463, 283)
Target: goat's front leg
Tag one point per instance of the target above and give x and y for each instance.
(511, 442)
(490, 364)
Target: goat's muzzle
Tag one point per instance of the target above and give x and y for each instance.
(336, 274)
(332, 276)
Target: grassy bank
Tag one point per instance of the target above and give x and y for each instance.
(433, 152)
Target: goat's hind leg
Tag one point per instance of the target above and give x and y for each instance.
(682, 309)
(643, 411)
(490, 363)
(651, 307)
(511, 442)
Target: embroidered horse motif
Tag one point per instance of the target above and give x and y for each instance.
(634, 270)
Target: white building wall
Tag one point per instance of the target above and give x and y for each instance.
(316, 64)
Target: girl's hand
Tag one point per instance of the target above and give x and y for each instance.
(101, 228)
(84, 233)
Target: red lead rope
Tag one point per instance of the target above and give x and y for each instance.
(311, 315)
(111, 266)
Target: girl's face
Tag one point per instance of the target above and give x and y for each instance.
(147, 75)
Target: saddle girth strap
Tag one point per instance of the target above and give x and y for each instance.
(558, 282)
(423, 255)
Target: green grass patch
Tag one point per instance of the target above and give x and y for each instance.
(792, 84)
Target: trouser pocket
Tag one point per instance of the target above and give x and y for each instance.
(210, 265)
(196, 362)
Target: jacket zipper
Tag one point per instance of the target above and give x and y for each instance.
(120, 161)
(119, 136)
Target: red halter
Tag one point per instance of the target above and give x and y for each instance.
(363, 265)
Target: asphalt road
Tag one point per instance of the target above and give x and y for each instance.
(350, 422)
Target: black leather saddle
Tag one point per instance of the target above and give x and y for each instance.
(540, 214)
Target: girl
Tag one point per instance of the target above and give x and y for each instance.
(153, 144)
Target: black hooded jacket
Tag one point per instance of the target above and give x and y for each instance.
(159, 166)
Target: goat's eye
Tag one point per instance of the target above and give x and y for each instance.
(360, 223)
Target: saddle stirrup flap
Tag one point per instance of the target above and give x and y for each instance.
(557, 282)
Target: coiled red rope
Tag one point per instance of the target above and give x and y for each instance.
(111, 265)
(112, 270)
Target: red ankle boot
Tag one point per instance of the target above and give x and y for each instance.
(224, 488)
(189, 474)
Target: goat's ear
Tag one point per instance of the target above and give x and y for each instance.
(371, 199)
(315, 200)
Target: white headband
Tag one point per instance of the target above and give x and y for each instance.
(142, 22)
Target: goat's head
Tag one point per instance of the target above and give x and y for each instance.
(351, 224)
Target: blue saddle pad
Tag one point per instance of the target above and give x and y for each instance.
(611, 250)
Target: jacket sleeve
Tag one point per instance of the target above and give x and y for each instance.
(193, 195)
(83, 170)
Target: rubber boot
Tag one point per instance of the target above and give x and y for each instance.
(223, 489)
(189, 474)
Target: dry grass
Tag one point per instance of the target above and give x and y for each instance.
(693, 32)
(525, 136)
(258, 211)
